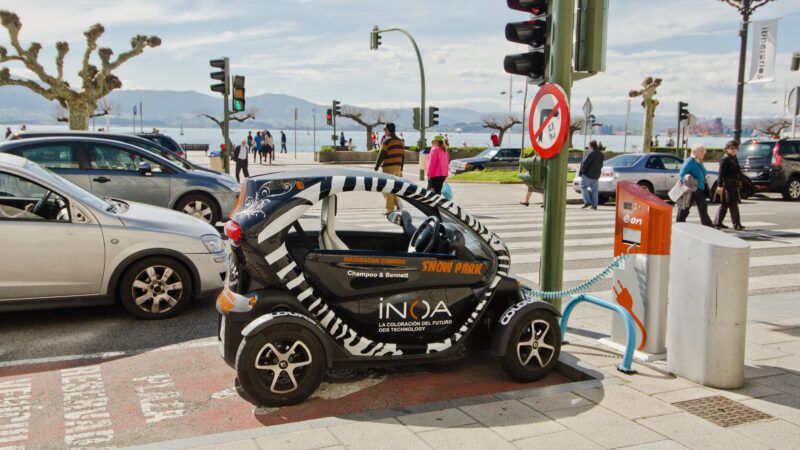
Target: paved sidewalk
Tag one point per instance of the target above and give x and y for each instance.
(614, 411)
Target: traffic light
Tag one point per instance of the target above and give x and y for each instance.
(337, 110)
(329, 117)
(433, 116)
(795, 66)
(590, 36)
(221, 75)
(417, 120)
(534, 33)
(238, 93)
(374, 38)
(683, 111)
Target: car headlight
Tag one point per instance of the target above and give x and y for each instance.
(466, 166)
(213, 243)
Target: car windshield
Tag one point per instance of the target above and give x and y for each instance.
(756, 150)
(488, 153)
(68, 186)
(622, 161)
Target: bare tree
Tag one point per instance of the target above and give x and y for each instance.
(368, 118)
(105, 108)
(96, 82)
(501, 124)
(576, 125)
(249, 114)
(772, 127)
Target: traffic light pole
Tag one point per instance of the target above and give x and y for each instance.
(422, 144)
(226, 160)
(551, 263)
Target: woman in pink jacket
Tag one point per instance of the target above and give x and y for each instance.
(438, 162)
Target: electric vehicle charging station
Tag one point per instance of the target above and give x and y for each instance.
(640, 284)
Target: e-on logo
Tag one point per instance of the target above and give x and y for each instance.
(415, 310)
(632, 220)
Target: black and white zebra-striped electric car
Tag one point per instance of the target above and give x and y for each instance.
(311, 288)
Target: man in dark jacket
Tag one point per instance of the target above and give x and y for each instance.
(728, 187)
(589, 172)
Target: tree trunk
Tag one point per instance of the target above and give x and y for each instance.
(369, 138)
(500, 138)
(79, 114)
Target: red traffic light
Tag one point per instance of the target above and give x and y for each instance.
(535, 7)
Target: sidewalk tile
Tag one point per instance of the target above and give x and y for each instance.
(435, 419)
(660, 445)
(788, 383)
(562, 439)
(383, 433)
(627, 402)
(751, 389)
(756, 352)
(555, 402)
(512, 420)
(788, 363)
(792, 347)
(463, 438)
(307, 439)
(695, 432)
(682, 395)
(763, 336)
(761, 369)
(784, 406)
(246, 444)
(650, 381)
(777, 434)
(595, 356)
(604, 427)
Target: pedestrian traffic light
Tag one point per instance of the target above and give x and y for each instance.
(534, 33)
(433, 116)
(590, 36)
(329, 116)
(374, 38)
(337, 110)
(683, 111)
(795, 66)
(417, 120)
(238, 93)
(221, 75)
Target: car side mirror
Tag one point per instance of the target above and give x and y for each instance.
(145, 170)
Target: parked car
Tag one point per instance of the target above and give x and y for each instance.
(119, 170)
(305, 298)
(491, 158)
(772, 165)
(164, 141)
(132, 139)
(656, 172)
(71, 247)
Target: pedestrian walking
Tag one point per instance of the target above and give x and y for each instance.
(694, 166)
(390, 161)
(589, 171)
(269, 144)
(437, 165)
(350, 144)
(240, 156)
(730, 176)
(283, 142)
(341, 139)
(9, 133)
(259, 140)
(250, 139)
(495, 139)
(446, 141)
(527, 164)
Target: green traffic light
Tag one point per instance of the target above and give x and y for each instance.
(238, 105)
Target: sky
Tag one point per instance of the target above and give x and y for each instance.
(319, 49)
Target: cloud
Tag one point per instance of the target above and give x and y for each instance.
(226, 36)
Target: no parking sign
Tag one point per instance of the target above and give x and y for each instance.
(548, 125)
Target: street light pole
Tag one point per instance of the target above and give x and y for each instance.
(422, 144)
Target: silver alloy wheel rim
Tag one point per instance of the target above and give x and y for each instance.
(530, 347)
(157, 289)
(199, 209)
(282, 364)
(794, 189)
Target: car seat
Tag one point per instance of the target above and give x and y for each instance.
(328, 240)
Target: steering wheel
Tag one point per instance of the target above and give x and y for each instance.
(426, 237)
(37, 209)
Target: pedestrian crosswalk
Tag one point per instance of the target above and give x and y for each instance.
(589, 238)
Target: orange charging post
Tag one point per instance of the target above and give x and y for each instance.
(643, 228)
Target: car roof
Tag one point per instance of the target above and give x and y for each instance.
(307, 174)
(79, 133)
(12, 160)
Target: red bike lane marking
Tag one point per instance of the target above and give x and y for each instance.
(164, 395)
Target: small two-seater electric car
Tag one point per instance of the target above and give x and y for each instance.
(302, 297)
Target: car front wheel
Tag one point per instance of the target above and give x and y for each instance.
(155, 288)
(534, 346)
(200, 206)
(792, 189)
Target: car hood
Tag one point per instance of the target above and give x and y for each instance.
(472, 160)
(154, 218)
(222, 178)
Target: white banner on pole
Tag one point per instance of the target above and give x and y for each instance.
(762, 56)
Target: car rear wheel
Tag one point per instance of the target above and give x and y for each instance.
(155, 288)
(792, 189)
(200, 206)
(534, 346)
(647, 185)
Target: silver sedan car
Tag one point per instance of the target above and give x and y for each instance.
(119, 170)
(63, 246)
(656, 172)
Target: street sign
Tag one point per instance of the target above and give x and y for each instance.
(548, 125)
(587, 107)
(793, 103)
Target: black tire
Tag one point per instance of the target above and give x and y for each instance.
(602, 199)
(261, 383)
(523, 366)
(792, 189)
(155, 288)
(647, 185)
(478, 168)
(199, 205)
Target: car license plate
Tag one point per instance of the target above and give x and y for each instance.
(752, 174)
